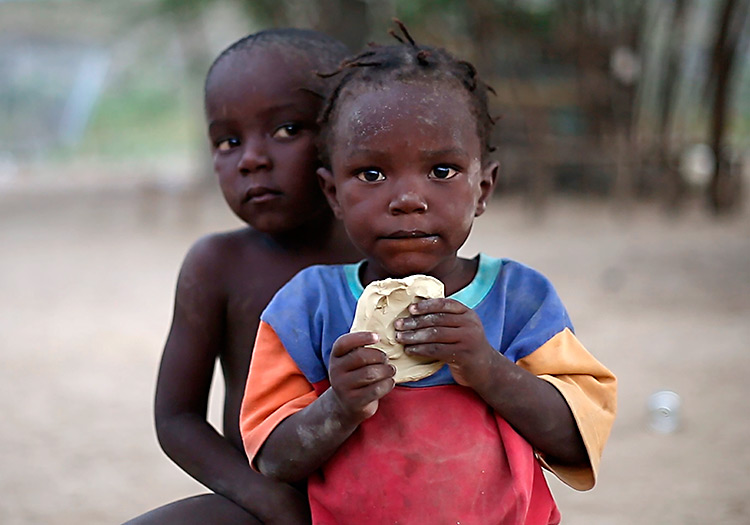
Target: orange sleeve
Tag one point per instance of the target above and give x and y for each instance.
(591, 392)
(275, 390)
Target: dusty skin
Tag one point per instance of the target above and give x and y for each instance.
(87, 278)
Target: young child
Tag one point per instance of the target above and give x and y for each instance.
(262, 98)
(405, 148)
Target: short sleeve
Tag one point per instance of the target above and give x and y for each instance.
(590, 390)
(275, 390)
(529, 309)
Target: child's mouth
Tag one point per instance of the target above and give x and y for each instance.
(410, 234)
(260, 194)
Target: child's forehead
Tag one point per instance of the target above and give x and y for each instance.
(393, 100)
(386, 119)
(273, 62)
(249, 93)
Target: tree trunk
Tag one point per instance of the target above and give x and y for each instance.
(723, 190)
(667, 100)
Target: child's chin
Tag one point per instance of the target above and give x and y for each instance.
(272, 223)
(410, 265)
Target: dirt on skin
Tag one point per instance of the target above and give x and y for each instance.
(87, 281)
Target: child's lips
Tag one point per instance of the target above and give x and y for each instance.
(409, 234)
(260, 194)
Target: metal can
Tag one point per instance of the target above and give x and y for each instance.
(664, 411)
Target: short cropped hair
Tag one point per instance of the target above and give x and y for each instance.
(323, 52)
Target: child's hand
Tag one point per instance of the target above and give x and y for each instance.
(359, 376)
(447, 330)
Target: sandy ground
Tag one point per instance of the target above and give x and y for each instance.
(86, 284)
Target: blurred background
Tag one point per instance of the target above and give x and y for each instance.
(624, 141)
(617, 99)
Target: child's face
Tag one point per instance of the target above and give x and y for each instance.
(262, 128)
(407, 175)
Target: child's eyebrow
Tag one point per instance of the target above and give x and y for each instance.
(217, 122)
(283, 107)
(447, 152)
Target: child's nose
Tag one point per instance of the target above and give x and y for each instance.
(409, 201)
(254, 157)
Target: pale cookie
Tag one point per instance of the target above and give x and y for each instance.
(383, 302)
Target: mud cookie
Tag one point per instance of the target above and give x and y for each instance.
(381, 303)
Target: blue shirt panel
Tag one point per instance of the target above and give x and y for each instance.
(517, 305)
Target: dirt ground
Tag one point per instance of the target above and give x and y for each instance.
(86, 284)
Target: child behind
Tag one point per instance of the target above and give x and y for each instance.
(262, 98)
(404, 141)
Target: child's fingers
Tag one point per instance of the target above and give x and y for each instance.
(359, 368)
(432, 312)
(359, 357)
(362, 376)
(429, 334)
(427, 320)
(439, 351)
(381, 388)
(364, 401)
(376, 378)
(358, 394)
(348, 342)
(441, 305)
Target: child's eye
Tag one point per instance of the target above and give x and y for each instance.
(227, 144)
(370, 175)
(443, 172)
(286, 131)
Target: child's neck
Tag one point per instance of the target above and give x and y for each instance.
(319, 233)
(455, 274)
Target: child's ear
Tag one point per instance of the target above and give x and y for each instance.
(325, 179)
(486, 185)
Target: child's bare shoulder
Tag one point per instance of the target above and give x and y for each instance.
(218, 254)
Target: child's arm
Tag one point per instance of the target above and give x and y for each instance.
(182, 395)
(447, 330)
(302, 442)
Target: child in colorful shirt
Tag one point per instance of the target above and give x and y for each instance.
(405, 148)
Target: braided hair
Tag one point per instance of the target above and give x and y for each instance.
(405, 61)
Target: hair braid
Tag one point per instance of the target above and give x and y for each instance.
(407, 60)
